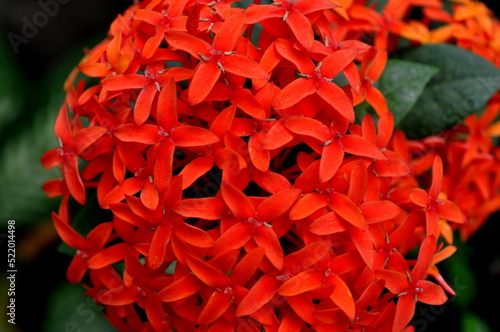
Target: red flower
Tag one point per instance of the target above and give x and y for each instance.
(217, 58)
(434, 206)
(411, 287)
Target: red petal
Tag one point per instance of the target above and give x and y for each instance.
(188, 43)
(239, 204)
(385, 127)
(162, 172)
(246, 101)
(302, 282)
(266, 237)
(425, 257)
(207, 273)
(420, 197)
(229, 32)
(276, 205)
(304, 307)
(216, 305)
(405, 230)
(260, 294)
(52, 158)
(294, 92)
(146, 133)
(154, 42)
(149, 195)
(307, 205)
(85, 137)
(234, 238)
(301, 28)
(304, 258)
(223, 121)
(158, 247)
(309, 127)
(243, 66)
(73, 179)
(331, 159)
(209, 208)
(166, 113)
(194, 236)
(76, 269)
(277, 136)
(53, 188)
(375, 64)
(342, 297)
(204, 79)
(364, 244)
(256, 13)
(437, 177)
(260, 157)
(121, 295)
(432, 294)
(186, 286)
(154, 312)
(391, 167)
(247, 267)
(360, 146)
(358, 182)
(125, 82)
(309, 6)
(94, 69)
(345, 208)
(379, 211)
(375, 98)
(333, 64)
(395, 282)
(108, 256)
(300, 59)
(449, 211)
(337, 98)
(405, 310)
(186, 136)
(196, 169)
(326, 224)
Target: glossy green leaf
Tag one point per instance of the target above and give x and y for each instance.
(12, 90)
(402, 83)
(473, 323)
(68, 309)
(464, 85)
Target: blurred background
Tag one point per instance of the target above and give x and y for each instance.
(40, 42)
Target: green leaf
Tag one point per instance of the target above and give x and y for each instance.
(473, 323)
(21, 174)
(401, 83)
(379, 4)
(68, 309)
(463, 86)
(463, 279)
(12, 90)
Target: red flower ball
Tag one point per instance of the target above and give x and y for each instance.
(243, 195)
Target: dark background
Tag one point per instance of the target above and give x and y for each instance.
(475, 273)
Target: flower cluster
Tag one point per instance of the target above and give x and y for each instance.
(243, 195)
